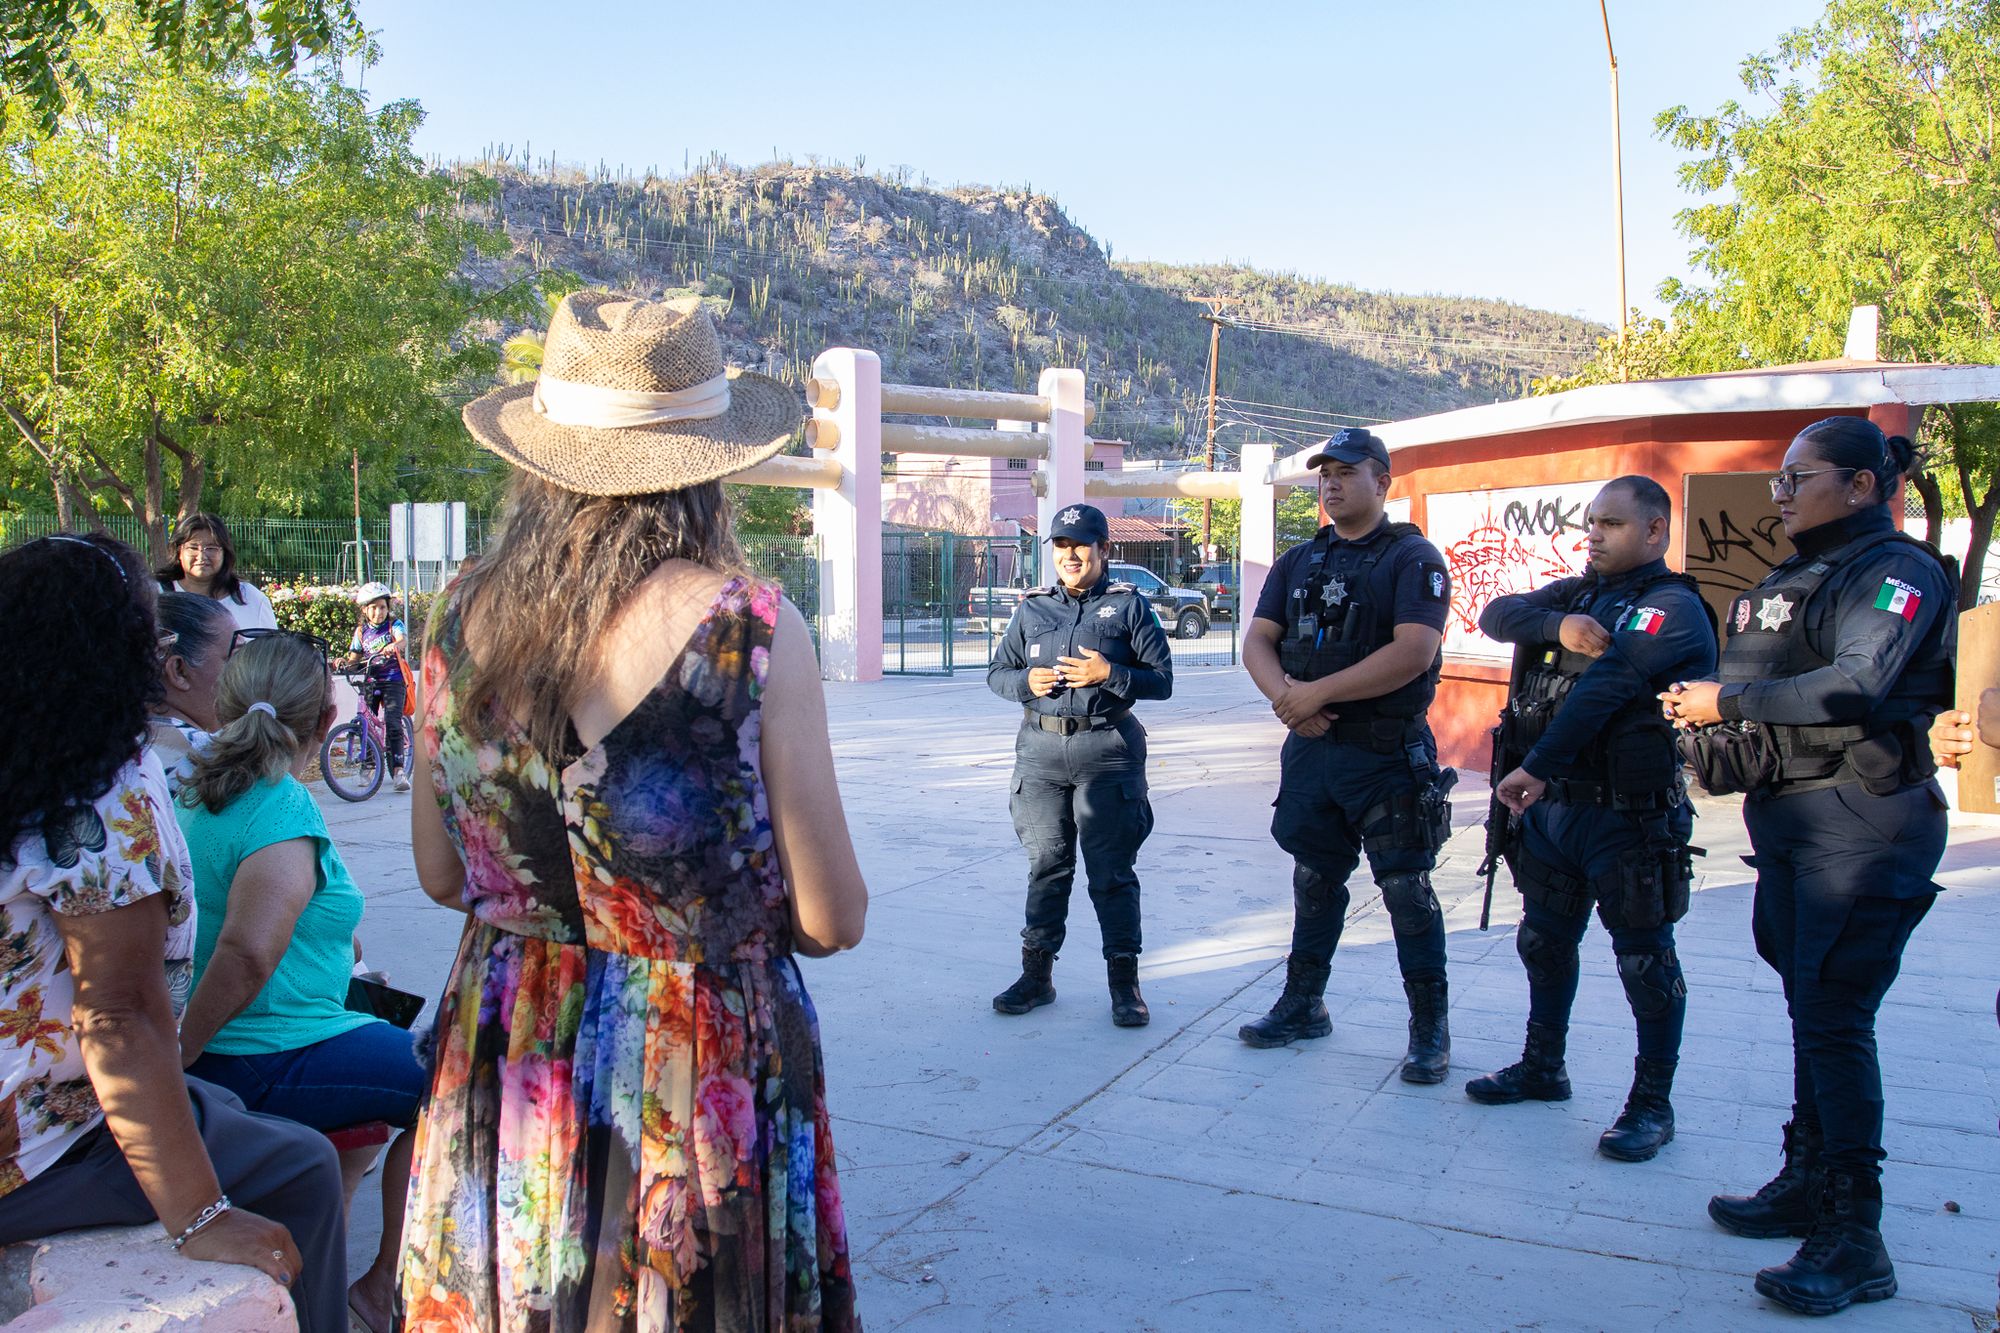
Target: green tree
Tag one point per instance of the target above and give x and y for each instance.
(1867, 176)
(1653, 349)
(39, 66)
(234, 276)
(1298, 517)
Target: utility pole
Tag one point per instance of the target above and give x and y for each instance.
(1617, 197)
(1215, 323)
(359, 575)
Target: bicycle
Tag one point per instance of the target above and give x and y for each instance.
(354, 757)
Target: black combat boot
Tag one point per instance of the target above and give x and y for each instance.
(1646, 1125)
(1033, 989)
(1128, 1007)
(1299, 1012)
(1842, 1260)
(1430, 1033)
(1787, 1204)
(1538, 1075)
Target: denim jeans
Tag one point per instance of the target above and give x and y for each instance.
(370, 1073)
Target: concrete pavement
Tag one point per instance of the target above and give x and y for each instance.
(1054, 1172)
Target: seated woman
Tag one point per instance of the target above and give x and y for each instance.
(98, 1126)
(268, 1018)
(203, 637)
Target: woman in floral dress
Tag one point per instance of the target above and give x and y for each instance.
(635, 802)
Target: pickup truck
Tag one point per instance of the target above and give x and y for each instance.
(1183, 611)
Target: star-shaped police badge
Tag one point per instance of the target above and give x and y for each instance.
(1070, 515)
(1106, 612)
(1335, 592)
(1773, 612)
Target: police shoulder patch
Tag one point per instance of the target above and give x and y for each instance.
(1644, 620)
(1435, 583)
(1118, 585)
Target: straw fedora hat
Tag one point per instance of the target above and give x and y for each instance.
(633, 398)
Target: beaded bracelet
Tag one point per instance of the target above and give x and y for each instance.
(208, 1214)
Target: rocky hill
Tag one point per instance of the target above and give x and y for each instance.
(985, 287)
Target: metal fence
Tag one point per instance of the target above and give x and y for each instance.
(792, 563)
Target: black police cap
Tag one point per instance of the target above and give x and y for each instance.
(1080, 523)
(1352, 446)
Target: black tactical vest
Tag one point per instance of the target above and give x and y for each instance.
(1637, 740)
(1330, 624)
(1775, 630)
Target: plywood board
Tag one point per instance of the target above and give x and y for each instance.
(1978, 669)
(1733, 537)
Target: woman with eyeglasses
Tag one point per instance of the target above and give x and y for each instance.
(1831, 672)
(269, 1018)
(190, 668)
(205, 563)
(98, 1124)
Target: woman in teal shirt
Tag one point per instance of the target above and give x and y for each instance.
(274, 949)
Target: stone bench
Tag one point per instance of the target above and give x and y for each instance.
(129, 1280)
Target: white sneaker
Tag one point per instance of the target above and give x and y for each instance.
(400, 783)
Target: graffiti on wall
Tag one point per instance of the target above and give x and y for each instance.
(1501, 542)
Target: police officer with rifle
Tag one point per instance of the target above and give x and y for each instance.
(1590, 768)
(1345, 644)
(1832, 670)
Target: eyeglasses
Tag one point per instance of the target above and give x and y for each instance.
(1786, 484)
(248, 636)
(202, 548)
(164, 643)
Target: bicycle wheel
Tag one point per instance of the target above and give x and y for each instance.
(351, 762)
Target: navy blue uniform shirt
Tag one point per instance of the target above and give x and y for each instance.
(1662, 637)
(1877, 634)
(1411, 578)
(1112, 618)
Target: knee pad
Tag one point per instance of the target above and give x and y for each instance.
(1550, 961)
(1411, 904)
(1653, 982)
(1314, 894)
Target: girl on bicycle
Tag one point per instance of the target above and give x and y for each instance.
(380, 640)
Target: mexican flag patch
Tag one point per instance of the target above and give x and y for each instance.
(1899, 597)
(1646, 620)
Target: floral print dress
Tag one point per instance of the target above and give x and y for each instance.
(628, 1126)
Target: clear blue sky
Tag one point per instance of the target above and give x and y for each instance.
(1447, 146)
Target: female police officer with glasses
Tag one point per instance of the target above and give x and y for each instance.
(1831, 671)
(1076, 656)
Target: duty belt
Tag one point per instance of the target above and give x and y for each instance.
(1599, 793)
(1385, 735)
(1069, 726)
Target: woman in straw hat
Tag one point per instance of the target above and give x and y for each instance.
(635, 802)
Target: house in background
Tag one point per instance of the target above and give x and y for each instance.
(978, 497)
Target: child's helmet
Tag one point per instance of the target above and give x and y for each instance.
(371, 592)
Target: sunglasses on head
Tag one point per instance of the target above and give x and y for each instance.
(247, 636)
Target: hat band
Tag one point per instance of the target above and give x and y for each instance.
(568, 403)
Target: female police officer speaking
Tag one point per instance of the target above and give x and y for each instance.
(1831, 672)
(1076, 656)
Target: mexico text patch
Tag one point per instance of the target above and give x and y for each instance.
(1899, 597)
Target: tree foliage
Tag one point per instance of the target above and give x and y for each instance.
(1298, 517)
(39, 65)
(233, 276)
(1866, 175)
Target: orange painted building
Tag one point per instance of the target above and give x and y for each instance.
(1501, 489)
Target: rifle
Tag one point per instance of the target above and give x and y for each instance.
(1502, 831)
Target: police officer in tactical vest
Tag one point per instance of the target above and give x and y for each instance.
(1593, 774)
(1076, 656)
(1345, 644)
(1831, 672)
